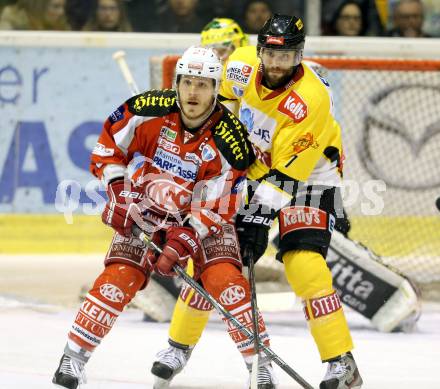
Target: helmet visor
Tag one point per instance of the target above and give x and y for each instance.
(282, 56)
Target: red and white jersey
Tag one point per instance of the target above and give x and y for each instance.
(199, 174)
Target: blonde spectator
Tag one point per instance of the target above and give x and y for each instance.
(35, 15)
(109, 15)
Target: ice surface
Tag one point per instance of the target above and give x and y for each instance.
(32, 340)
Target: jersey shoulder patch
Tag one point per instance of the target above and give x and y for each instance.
(242, 63)
(153, 103)
(239, 72)
(229, 137)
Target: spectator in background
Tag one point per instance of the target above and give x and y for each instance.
(291, 7)
(431, 14)
(142, 14)
(256, 12)
(109, 15)
(180, 16)
(374, 26)
(348, 20)
(35, 15)
(408, 20)
(78, 12)
(4, 3)
(219, 8)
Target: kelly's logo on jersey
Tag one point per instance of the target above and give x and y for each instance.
(303, 142)
(294, 106)
(298, 218)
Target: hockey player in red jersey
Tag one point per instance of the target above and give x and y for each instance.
(185, 195)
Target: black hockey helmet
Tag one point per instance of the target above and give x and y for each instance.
(282, 32)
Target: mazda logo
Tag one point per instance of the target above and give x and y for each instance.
(400, 143)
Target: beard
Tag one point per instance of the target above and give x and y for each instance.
(278, 80)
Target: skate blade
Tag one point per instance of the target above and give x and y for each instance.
(160, 383)
(254, 373)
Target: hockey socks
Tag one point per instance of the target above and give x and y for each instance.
(310, 279)
(227, 285)
(111, 292)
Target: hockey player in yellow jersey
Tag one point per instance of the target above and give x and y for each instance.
(223, 35)
(287, 110)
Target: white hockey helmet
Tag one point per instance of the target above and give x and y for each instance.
(199, 62)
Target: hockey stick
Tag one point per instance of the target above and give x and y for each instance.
(200, 290)
(119, 58)
(254, 307)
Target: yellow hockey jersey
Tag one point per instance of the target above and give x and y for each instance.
(292, 129)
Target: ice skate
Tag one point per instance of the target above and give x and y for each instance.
(266, 378)
(342, 373)
(169, 363)
(70, 373)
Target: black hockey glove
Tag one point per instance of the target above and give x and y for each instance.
(253, 233)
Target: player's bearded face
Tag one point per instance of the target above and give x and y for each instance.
(196, 95)
(278, 65)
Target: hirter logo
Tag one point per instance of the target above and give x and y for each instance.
(275, 40)
(298, 218)
(294, 106)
